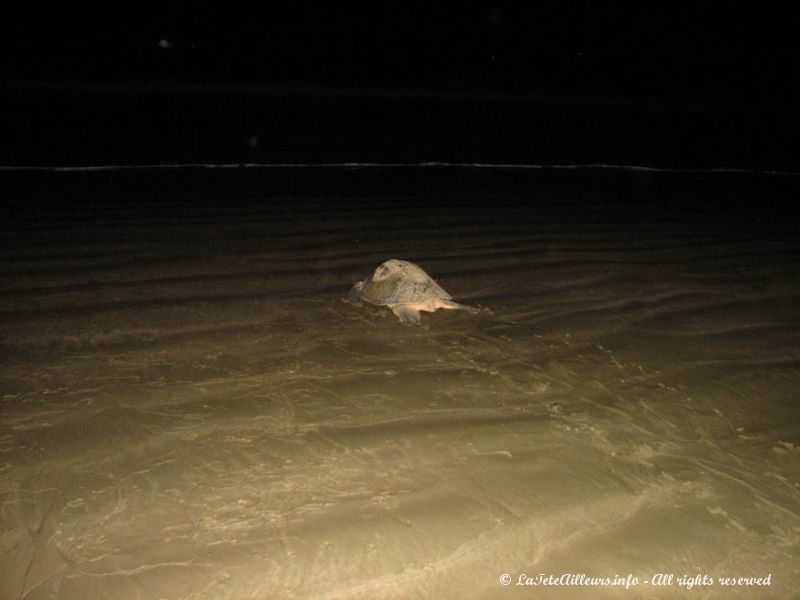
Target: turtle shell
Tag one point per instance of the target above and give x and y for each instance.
(401, 282)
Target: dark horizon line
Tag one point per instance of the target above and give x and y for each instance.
(396, 165)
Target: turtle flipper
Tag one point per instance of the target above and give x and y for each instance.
(456, 306)
(407, 316)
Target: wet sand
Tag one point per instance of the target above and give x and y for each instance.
(191, 409)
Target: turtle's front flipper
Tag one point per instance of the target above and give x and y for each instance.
(456, 306)
(407, 316)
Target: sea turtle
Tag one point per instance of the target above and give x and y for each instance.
(406, 289)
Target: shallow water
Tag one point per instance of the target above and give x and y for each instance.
(190, 409)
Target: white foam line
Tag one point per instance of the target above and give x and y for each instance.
(376, 165)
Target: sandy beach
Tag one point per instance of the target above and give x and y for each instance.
(191, 409)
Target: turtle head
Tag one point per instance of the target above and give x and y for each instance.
(355, 291)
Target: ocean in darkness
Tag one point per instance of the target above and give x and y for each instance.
(192, 409)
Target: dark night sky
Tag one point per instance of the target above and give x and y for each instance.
(716, 56)
(683, 49)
